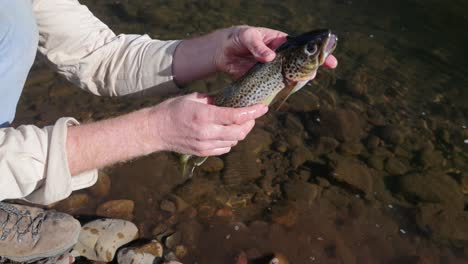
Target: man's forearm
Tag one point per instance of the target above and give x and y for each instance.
(103, 143)
(194, 58)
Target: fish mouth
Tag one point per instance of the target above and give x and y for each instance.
(328, 47)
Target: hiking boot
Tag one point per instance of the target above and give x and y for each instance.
(28, 234)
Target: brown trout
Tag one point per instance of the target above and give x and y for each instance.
(296, 63)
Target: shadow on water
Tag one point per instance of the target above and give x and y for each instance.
(368, 164)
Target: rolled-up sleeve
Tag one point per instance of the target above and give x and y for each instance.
(34, 166)
(89, 54)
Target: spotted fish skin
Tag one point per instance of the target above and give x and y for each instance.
(260, 85)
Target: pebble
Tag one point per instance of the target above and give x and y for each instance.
(147, 254)
(100, 239)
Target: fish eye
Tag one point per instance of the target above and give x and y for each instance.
(312, 48)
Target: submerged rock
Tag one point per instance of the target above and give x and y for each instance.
(121, 209)
(74, 204)
(395, 167)
(241, 167)
(432, 187)
(302, 193)
(357, 85)
(325, 145)
(352, 172)
(212, 164)
(392, 134)
(299, 156)
(444, 224)
(100, 239)
(343, 125)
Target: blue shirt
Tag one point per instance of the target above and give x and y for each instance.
(18, 45)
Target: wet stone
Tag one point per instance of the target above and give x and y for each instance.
(293, 123)
(74, 204)
(212, 164)
(145, 254)
(352, 172)
(325, 145)
(432, 187)
(284, 214)
(445, 225)
(395, 167)
(372, 142)
(392, 134)
(120, 209)
(180, 251)
(195, 189)
(376, 162)
(302, 193)
(343, 125)
(351, 148)
(100, 239)
(300, 156)
(375, 118)
(429, 158)
(358, 83)
(294, 140)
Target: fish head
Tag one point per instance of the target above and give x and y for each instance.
(303, 54)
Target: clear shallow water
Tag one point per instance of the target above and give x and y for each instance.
(366, 165)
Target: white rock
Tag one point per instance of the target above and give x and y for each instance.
(100, 239)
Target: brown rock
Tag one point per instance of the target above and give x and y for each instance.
(325, 145)
(443, 224)
(74, 204)
(212, 164)
(395, 167)
(352, 172)
(432, 187)
(285, 214)
(392, 134)
(351, 148)
(357, 86)
(302, 193)
(340, 124)
(299, 156)
(120, 209)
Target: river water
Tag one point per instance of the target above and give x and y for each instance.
(367, 164)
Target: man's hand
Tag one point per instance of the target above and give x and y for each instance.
(232, 50)
(242, 46)
(190, 125)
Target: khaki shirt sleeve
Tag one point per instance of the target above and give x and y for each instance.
(34, 166)
(86, 52)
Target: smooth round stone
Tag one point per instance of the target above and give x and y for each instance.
(100, 239)
(147, 254)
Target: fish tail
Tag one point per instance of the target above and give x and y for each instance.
(189, 163)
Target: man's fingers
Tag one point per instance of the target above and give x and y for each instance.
(229, 116)
(331, 62)
(252, 38)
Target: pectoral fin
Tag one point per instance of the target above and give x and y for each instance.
(290, 89)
